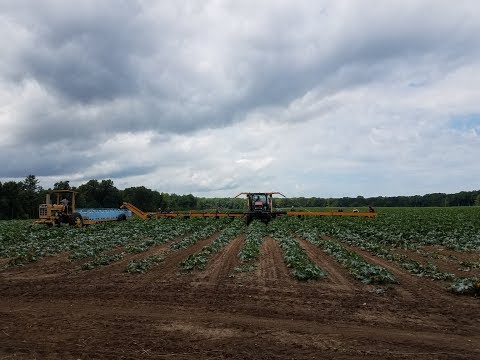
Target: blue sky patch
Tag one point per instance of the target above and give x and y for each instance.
(465, 122)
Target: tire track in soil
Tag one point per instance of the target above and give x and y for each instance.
(73, 318)
(410, 286)
(271, 271)
(197, 332)
(221, 265)
(336, 274)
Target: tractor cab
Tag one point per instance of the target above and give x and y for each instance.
(58, 210)
(260, 206)
(259, 202)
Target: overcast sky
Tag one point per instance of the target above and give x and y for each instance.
(311, 98)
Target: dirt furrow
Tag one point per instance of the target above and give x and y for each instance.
(410, 286)
(168, 313)
(108, 331)
(271, 270)
(337, 275)
(54, 266)
(221, 265)
(169, 268)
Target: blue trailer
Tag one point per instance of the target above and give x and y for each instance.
(93, 216)
(63, 210)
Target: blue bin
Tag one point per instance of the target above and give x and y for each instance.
(102, 214)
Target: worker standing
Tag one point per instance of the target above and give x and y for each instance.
(64, 202)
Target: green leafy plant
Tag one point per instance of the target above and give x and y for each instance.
(199, 260)
(353, 262)
(254, 235)
(301, 267)
(142, 265)
(466, 286)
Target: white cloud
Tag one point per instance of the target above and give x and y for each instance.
(326, 98)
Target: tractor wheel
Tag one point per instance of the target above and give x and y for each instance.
(76, 220)
(266, 219)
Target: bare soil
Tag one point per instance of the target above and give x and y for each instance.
(52, 310)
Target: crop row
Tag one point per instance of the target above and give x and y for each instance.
(314, 228)
(302, 268)
(254, 235)
(199, 260)
(410, 228)
(379, 249)
(204, 231)
(22, 243)
(142, 265)
(393, 229)
(357, 266)
(146, 234)
(466, 286)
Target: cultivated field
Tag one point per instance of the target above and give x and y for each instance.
(402, 285)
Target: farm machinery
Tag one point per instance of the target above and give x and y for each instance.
(259, 206)
(63, 210)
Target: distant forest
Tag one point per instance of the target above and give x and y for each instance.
(20, 200)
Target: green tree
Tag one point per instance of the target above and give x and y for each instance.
(109, 195)
(87, 195)
(11, 207)
(62, 185)
(96, 194)
(30, 195)
(142, 197)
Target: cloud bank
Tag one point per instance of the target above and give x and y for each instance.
(319, 98)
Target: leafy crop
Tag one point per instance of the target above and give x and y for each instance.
(339, 229)
(22, 243)
(255, 233)
(394, 235)
(410, 228)
(142, 265)
(428, 270)
(469, 286)
(204, 228)
(210, 227)
(199, 260)
(302, 268)
(101, 261)
(360, 268)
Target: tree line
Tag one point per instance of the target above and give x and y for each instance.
(20, 200)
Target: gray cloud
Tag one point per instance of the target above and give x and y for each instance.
(74, 77)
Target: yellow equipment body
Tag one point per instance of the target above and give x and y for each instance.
(260, 206)
(55, 213)
(65, 211)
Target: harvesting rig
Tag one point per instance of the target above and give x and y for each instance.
(259, 206)
(64, 210)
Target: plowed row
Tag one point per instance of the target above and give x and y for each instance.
(52, 309)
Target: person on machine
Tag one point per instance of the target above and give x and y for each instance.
(64, 202)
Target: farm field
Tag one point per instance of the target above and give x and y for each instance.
(403, 285)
